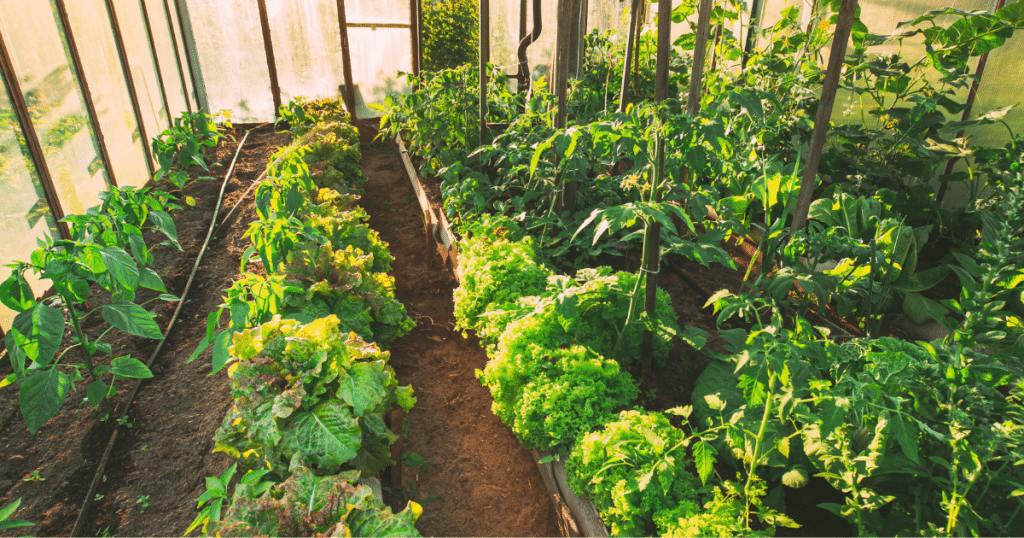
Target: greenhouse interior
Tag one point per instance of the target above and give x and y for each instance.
(512, 268)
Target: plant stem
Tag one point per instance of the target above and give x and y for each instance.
(757, 445)
(85, 349)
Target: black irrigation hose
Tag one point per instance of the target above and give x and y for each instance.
(97, 478)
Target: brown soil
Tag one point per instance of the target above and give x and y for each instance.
(158, 465)
(479, 480)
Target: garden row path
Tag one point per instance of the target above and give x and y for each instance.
(477, 479)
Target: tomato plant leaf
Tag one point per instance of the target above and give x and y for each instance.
(36, 333)
(704, 459)
(121, 267)
(95, 392)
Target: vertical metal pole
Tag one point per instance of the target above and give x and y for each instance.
(414, 24)
(971, 97)
(132, 93)
(156, 62)
(346, 61)
(94, 117)
(485, 57)
(31, 137)
(177, 57)
(189, 41)
(268, 47)
(847, 12)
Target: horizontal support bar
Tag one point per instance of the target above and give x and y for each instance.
(379, 25)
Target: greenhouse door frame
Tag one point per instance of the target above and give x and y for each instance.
(343, 25)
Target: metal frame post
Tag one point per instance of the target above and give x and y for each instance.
(414, 27)
(94, 117)
(31, 137)
(485, 57)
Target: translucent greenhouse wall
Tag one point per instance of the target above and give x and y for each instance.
(76, 170)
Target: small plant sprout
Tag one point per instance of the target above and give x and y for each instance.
(144, 501)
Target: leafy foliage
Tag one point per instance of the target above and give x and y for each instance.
(635, 470)
(310, 505)
(307, 391)
(450, 30)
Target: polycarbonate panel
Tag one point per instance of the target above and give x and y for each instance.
(165, 53)
(377, 56)
(602, 16)
(233, 65)
(102, 69)
(368, 11)
(1000, 87)
(24, 214)
(307, 45)
(54, 98)
(179, 38)
(140, 60)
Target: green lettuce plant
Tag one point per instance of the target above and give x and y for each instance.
(309, 505)
(309, 391)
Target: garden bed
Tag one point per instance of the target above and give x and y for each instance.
(158, 466)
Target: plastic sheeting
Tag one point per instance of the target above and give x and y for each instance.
(60, 119)
(109, 89)
(233, 71)
(307, 46)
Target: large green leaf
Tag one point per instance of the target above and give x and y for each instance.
(36, 333)
(327, 436)
(130, 367)
(149, 279)
(16, 294)
(132, 319)
(42, 395)
(362, 387)
(121, 267)
(165, 224)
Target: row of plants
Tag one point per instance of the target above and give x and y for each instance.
(920, 438)
(309, 382)
(104, 268)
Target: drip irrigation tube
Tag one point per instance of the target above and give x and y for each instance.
(91, 495)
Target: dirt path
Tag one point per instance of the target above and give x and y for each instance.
(479, 480)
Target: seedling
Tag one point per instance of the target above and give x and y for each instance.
(144, 501)
(34, 478)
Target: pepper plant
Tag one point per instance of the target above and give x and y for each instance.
(37, 332)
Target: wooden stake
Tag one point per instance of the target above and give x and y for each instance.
(847, 11)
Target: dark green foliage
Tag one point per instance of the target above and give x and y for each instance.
(450, 33)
